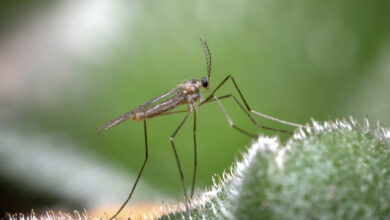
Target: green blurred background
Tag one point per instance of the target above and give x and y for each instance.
(67, 67)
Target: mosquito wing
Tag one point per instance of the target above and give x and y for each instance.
(126, 116)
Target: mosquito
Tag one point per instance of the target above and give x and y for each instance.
(188, 94)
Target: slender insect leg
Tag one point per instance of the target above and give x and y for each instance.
(251, 118)
(139, 174)
(260, 114)
(178, 161)
(230, 120)
(195, 157)
(209, 99)
(220, 98)
(246, 112)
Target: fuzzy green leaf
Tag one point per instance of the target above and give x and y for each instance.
(334, 170)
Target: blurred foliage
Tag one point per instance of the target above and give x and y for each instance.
(12, 13)
(292, 60)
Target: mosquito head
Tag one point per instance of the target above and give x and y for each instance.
(205, 83)
(207, 56)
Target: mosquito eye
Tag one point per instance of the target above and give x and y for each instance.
(205, 83)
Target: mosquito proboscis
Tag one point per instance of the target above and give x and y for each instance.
(188, 94)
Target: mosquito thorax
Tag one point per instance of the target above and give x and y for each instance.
(192, 86)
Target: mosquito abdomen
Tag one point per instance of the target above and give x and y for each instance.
(137, 116)
(112, 123)
(161, 107)
(141, 113)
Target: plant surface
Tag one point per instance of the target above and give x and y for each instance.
(333, 170)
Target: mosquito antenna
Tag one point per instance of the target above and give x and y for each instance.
(207, 56)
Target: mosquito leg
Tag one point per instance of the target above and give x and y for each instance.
(171, 139)
(139, 174)
(253, 120)
(209, 99)
(230, 120)
(220, 98)
(276, 119)
(260, 114)
(195, 158)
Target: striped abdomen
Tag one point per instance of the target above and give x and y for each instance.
(173, 102)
